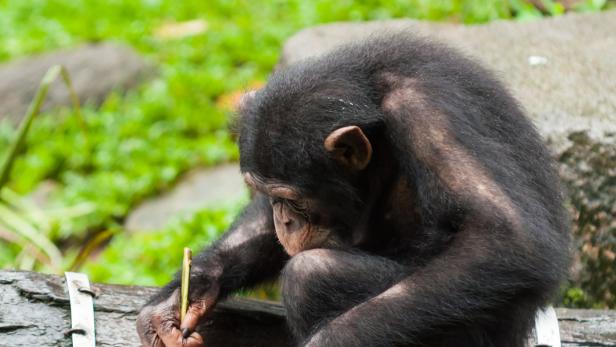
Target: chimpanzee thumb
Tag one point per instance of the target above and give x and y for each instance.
(196, 310)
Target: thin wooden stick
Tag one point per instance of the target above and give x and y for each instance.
(186, 262)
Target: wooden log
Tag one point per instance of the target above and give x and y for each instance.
(34, 311)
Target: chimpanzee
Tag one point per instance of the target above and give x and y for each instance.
(401, 194)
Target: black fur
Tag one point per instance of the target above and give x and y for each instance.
(473, 264)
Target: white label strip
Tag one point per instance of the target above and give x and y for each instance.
(546, 328)
(82, 309)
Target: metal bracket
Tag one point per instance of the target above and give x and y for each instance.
(82, 309)
(546, 328)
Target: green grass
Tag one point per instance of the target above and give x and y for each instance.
(140, 142)
(152, 258)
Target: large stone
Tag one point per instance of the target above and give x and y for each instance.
(203, 188)
(95, 70)
(563, 70)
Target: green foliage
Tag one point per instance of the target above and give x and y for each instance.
(591, 5)
(28, 26)
(27, 232)
(575, 297)
(25, 228)
(151, 258)
(138, 148)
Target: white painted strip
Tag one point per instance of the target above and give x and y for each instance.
(82, 309)
(546, 328)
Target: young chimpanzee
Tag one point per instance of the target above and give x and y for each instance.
(402, 195)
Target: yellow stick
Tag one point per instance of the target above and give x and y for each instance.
(186, 262)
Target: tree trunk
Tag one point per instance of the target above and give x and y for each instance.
(35, 311)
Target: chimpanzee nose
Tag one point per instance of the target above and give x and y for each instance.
(284, 218)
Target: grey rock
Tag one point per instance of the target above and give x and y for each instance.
(95, 70)
(201, 188)
(563, 69)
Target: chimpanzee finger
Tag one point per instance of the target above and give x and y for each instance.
(167, 333)
(146, 330)
(194, 340)
(151, 339)
(196, 311)
(157, 342)
(171, 337)
(174, 338)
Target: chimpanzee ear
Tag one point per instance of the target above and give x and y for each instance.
(350, 147)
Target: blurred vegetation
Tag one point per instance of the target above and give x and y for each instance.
(26, 227)
(589, 171)
(160, 250)
(141, 141)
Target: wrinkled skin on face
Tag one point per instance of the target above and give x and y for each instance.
(300, 221)
(293, 220)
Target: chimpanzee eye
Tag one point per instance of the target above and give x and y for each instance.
(275, 200)
(296, 206)
(299, 208)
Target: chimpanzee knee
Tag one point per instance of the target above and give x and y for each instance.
(320, 284)
(306, 288)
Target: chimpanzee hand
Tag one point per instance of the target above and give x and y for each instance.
(250, 253)
(158, 323)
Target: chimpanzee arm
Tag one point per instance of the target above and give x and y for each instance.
(245, 255)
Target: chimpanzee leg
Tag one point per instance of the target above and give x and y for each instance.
(320, 284)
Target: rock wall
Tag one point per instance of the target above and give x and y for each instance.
(563, 69)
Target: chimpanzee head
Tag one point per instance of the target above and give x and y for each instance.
(306, 145)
